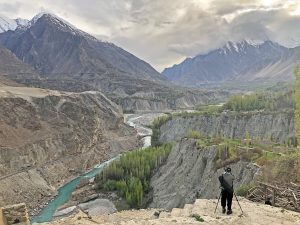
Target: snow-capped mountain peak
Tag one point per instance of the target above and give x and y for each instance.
(41, 14)
(236, 61)
(240, 46)
(59, 23)
(7, 24)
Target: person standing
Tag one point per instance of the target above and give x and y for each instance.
(226, 181)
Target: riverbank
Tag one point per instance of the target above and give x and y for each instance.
(141, 123)
(64, 192)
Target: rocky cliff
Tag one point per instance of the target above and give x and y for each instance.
(191, 173)
(48, 137)
(169, 99)
(272, 125)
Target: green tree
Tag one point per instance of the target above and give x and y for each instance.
(130, 175)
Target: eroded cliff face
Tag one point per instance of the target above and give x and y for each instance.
(190, 173)
(168, 100)
(48, 137)
(278, 126)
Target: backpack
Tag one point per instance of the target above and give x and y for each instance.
(227, 187)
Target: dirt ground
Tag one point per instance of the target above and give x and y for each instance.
(254, 214)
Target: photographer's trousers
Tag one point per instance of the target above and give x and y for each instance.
(226, 198)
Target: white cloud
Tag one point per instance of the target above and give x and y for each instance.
(165, 32)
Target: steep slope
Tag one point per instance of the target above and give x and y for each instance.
(237, 62)
(191, 173)
(54, 47)
(276, 125)
(12, 67)
(48, 137)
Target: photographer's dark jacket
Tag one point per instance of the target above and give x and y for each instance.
(226, 181)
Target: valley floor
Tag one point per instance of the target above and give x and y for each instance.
(254, 214)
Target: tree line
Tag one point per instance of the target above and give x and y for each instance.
(260, 101)
(130, 175)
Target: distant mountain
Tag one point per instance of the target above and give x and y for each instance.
(69, 59)
(243, 61)
(56, 49)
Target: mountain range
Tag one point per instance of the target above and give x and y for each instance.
(55, 48)
(237, 62)
(68, 59)
(48, 52)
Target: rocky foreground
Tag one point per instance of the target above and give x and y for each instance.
(254, 214)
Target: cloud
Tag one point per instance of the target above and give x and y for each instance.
(165, 32)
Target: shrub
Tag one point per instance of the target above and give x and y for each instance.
(110, 185)
(194, 134)
(198, 217)
(243, 189)
(260, 101)
(157, 123)
(266, 157)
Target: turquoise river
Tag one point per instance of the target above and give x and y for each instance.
(139, 122)
(64, 194)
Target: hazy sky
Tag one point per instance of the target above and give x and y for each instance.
(164, 32)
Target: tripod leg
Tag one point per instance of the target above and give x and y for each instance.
(218, 202)
(238, 202)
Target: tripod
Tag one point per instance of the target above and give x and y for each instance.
(235, 198)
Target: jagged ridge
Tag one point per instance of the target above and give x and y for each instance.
(237, 62)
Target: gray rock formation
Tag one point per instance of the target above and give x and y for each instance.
(236, 63)
(190, 173)
(276, 125)
(65, 212)
(98, 207)
(170, 100)
(48, 137)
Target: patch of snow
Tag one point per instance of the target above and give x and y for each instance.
(7, 24)
(252, 42)
(228, 45)
(22, 22)
(38, 16)
(63, 24)
(231, 46)
(236, 47)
